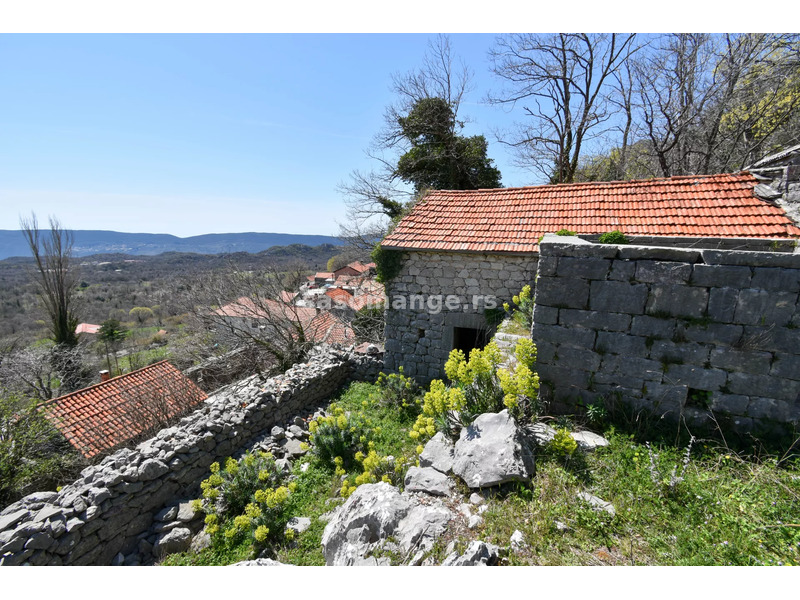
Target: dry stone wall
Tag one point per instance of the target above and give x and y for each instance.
(436, 292)
(115, 504)
(676, 331)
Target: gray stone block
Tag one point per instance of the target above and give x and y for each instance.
(555, 334)
(653, 327)
(620, 343)
(696, 377)
(546, 315)
(562, 293)
(764, 386)
(640, 368)
(786, 366)
(677, 301)
(769, 409)
(622, 270)
(785, 280)
(761, 307)
(730, 403)
(679, 353)
(722, 304)
(659, 253)
(576, 358)
(590, 319)
(665, 398)
(721, 276)
(575, 247)
(741, 361)
(621, 297)
(652, 271)
(583, 268)
(712, 333)
(563, 377)
(751, 259)
(548, 266)
(771, 339)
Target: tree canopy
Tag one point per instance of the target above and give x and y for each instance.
(438, 157)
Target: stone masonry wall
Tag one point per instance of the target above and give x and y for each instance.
(676, 331)
(420, 337)
(111, 508)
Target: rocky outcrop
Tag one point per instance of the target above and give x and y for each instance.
(428, 480)
(438, 453)
(477, 554)
(358, 532)
(493, 450)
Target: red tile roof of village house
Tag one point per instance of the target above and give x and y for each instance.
(513, 219)
(87, 328)
(101, 417)
(326, 327)
(339, 295)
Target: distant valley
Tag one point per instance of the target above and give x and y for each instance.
(89, 242)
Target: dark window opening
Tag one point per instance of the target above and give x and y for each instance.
(467, 339)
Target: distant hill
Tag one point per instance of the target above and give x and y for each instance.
(89, 242)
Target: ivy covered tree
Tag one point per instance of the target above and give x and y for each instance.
(438, 157)
(420, 147)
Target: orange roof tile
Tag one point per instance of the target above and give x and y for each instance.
(326, 327)
(101, 417)
(513, 219)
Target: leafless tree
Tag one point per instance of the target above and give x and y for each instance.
(45, 372)
(55, 276)
(245, 311)
(710, 103)
(563, 83)
(376, 198)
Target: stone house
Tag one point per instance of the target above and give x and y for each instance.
(464, 252)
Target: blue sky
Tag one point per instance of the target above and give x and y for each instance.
(189, 134)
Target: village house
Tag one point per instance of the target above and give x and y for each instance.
(120, 410)
(464, 252)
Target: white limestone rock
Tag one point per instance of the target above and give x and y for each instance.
(493, 450)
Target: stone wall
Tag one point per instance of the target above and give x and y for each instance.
(419, 321)
(111, 508)
(676, 331)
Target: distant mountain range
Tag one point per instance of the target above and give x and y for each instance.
(88, 242)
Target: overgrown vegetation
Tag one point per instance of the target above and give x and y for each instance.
(613, 237)
(714, 508)
(34, 456)
(318, 482)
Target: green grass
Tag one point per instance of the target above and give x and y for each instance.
(316, 486)
(728, 511)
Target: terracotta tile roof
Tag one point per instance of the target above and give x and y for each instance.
(101, 417)
(329, 329)
(323, 275)
(246, 308)
(287, 296)
(339, 295)
(87, 328)
(513, 219)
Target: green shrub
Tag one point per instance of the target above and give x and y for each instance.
(613, 237)
(478, 386)
(563, 444)
(565, 232)
(336, 438)
(397, 391)
(245, 501)
(522, 313)
(34, 456)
